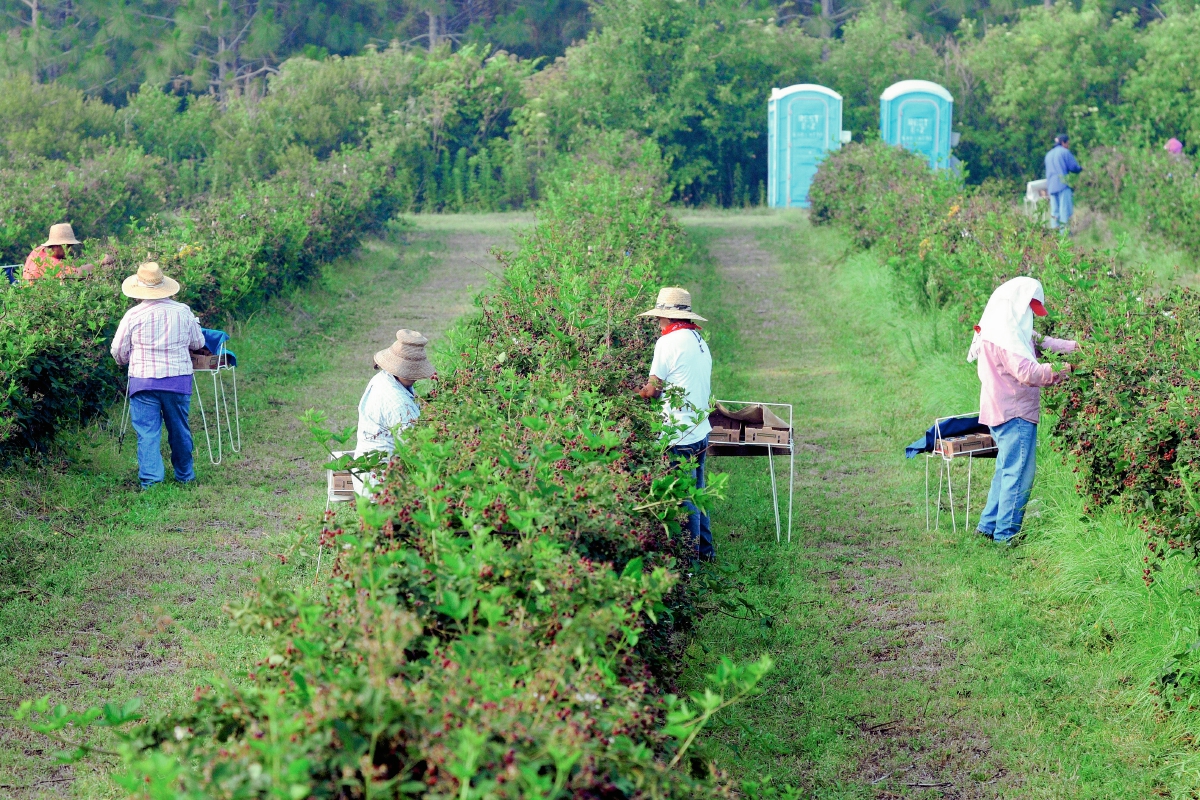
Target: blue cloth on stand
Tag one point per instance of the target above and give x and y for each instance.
(215, 341)
(955, 426)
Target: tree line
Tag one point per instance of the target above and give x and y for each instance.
(694, 77)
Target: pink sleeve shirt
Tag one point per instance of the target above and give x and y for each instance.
(1011, 384)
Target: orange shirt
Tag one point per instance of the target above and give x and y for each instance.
(40, 260)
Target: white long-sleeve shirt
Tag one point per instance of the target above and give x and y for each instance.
(387, 405)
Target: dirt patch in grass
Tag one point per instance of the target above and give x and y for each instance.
(461, 265)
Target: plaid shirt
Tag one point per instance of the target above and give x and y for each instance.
(154, 338)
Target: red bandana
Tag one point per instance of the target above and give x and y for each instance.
(682, 325)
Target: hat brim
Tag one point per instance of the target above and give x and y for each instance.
(131, 288)
(60, 242)
(392, 364)
(654, 312)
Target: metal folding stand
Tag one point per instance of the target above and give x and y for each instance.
(220, 403)
(945, 476)
(331, 497)
(757, 449)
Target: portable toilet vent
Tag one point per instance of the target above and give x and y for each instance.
(804, 122)
(916, 115)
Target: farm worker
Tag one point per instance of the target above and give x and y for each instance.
(389, 404)
(1174, 146)
(1007, 347)
(1059, 163)
(154, 339)
(53, 253)
(682, 358)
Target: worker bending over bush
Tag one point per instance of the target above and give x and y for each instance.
(52, 254)
(682, 358)
(389, 404)
(1007, 348)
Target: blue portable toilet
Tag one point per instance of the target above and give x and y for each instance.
(916, 115)
(804, 122)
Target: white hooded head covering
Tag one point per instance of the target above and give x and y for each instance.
(1007, 321)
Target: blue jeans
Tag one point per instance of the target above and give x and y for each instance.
(1016, 441)
(697, 520)
(1062, 207)
(147, 412)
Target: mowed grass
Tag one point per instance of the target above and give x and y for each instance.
(110, 593)
(915, 663)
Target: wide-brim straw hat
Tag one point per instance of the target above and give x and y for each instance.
(149, 283)
(406, 357)
(673, 303)
(60, 234)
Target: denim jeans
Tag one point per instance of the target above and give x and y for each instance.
(1016, 441)
(147, 412)
(697, 520)
(1062, 207)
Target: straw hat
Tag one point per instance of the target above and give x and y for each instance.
(61, 234)
(673, 303)
(406, 357)
(149, 283)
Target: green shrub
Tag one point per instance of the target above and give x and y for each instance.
(1150, 187)
(1057, 69)
(1161, 92)
(99, 196)
(55, 368)
(51, 121)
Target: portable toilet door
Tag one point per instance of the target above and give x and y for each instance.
(804, 122)
(916, 115)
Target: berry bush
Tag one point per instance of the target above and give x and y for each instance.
(948, 244)
(1152, 188)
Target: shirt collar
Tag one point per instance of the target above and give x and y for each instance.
(410, 392)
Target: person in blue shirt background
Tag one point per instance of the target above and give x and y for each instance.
(1060, 163)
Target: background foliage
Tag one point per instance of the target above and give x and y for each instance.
(695, 77)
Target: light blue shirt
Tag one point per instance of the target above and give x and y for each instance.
(1059, 162)
(386, 406)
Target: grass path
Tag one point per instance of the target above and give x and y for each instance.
(109, 593)
(909, 663)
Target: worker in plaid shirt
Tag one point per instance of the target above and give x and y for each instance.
(154, 339)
